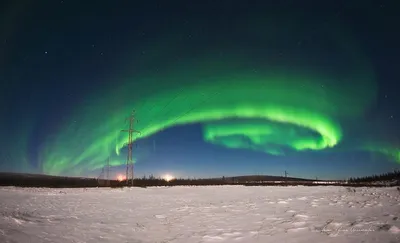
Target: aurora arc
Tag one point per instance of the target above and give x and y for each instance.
(286, 104)
(290, 107)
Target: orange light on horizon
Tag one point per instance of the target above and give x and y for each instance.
(168, 177)
(120, 177)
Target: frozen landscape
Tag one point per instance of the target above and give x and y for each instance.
(200, 214)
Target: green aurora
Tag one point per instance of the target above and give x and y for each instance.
(279, 111)
(242, 104)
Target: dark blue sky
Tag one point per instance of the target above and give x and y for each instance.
(54, 55)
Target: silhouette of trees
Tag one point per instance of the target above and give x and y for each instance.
(389, 176)
(26, 180)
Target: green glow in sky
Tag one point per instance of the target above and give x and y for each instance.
(280, 110)
(272, 137)
(242, 104)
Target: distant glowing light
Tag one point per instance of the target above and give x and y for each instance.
(168, 177)
(120, 177)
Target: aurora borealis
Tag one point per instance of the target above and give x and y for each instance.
(260, 86)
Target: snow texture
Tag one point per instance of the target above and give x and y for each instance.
(200, 214)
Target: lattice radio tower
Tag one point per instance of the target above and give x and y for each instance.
(129, 160)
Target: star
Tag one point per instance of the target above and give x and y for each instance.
(101, 53)
(386, 96)
(45, 52)
(391, 117)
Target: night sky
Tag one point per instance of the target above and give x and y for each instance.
(220, 88)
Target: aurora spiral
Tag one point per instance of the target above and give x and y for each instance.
(276, 106)
(276, 113)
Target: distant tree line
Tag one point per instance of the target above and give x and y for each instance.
(26, 180)
(389, 176)
(153, 181)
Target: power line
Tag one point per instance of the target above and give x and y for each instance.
(129, 163)
(286, 174)
(104, 177)
(193, 107)
(129, 160)
(108, 171)
(199, 104)
(165, 106)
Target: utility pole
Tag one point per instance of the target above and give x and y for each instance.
(108, 171)
(129, 160)
(101, 177)
(286, 174)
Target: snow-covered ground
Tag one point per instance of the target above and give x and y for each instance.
(200, 214)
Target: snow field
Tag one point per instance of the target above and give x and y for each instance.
(200, 214)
